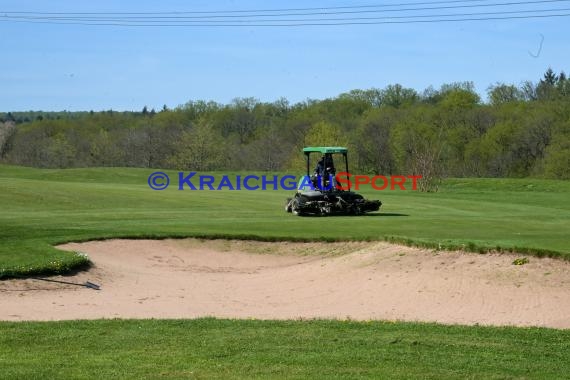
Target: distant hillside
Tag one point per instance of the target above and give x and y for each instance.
(521, 131)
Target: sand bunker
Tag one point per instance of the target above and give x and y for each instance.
(191, 278)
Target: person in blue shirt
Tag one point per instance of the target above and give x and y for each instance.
(324, 169)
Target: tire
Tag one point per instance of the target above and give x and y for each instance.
(295, 207)
(288, 205)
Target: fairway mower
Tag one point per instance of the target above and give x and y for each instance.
(319, 193)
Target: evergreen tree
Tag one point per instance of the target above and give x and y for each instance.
(549, 77)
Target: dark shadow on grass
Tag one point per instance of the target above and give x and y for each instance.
(385, 214)
(352, 215)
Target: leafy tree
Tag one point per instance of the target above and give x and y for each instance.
(60, 153)
(504, 93)
(563, 85)
(200, 149)
(397, 96)
(529, 91)
(418, 145)
(7, 130)
(321, 133)
(459, 100)
(372, 97)
(557, 159)
(103, 151)
(268, 152)
(371, 142)
(237, 118)
(325, 134)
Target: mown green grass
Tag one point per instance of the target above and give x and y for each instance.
(40, 208)
(210, 348)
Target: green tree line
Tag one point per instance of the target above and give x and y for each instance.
(522, 130)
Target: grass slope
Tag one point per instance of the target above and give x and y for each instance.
(210, 348)
(39, 208)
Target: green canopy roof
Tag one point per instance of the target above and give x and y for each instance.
(325, 149)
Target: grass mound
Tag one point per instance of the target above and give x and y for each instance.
(41, 208)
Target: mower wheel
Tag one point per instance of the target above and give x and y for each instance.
(295, 207)
(288, 204)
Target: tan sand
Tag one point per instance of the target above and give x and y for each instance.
(362, 281)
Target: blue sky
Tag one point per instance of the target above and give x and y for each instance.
(75, 67)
